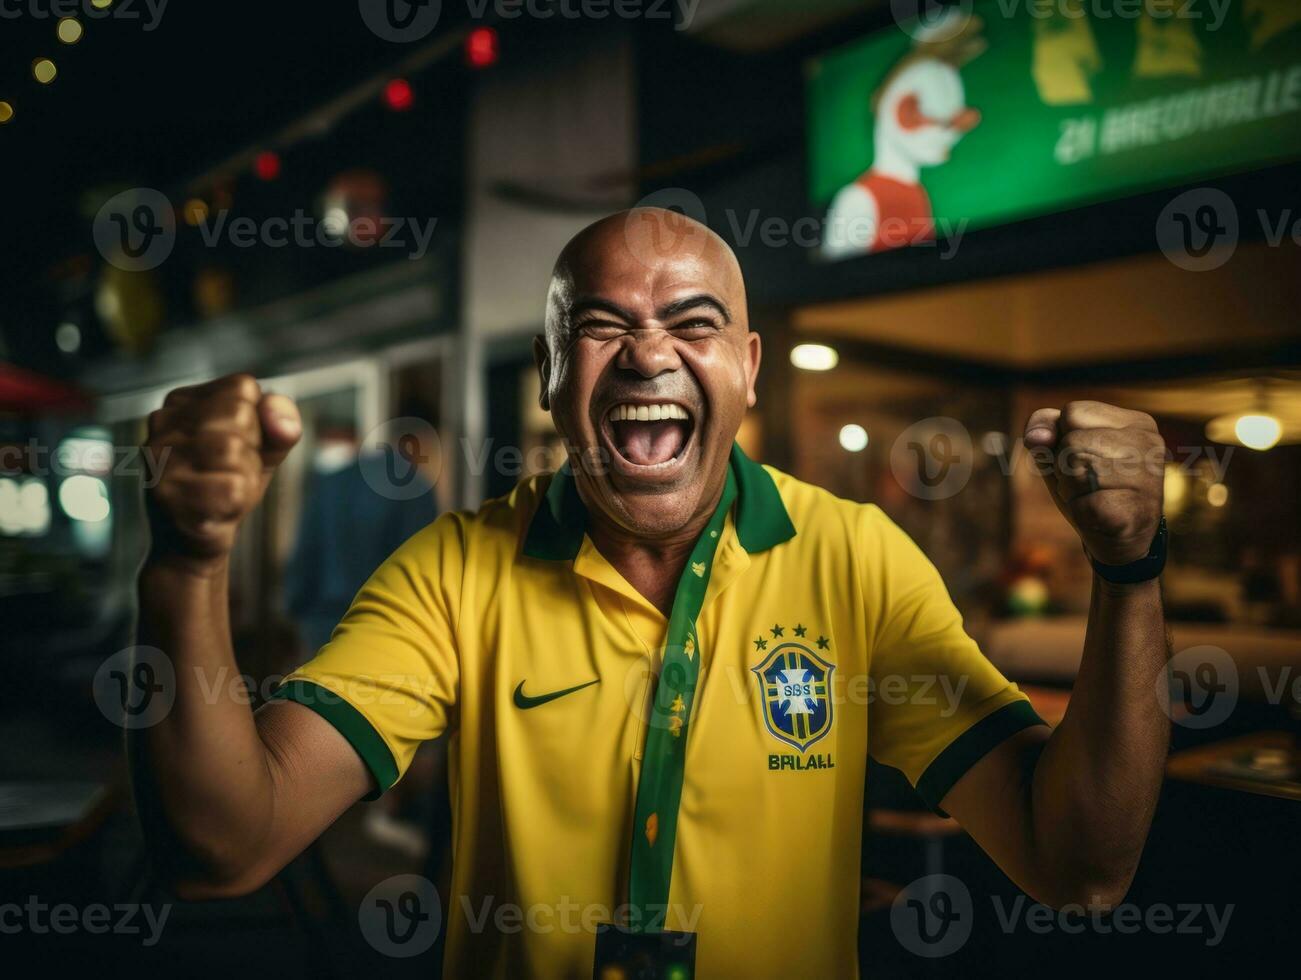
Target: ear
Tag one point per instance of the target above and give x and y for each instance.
(753, 354)
(542, 358)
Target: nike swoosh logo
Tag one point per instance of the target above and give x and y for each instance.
(524, 702)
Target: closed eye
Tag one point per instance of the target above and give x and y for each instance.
(602, 329)
(699, 329)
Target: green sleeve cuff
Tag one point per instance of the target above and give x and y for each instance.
(351, 724)
(972, 746)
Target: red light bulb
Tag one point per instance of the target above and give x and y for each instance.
(481, 48)
(398, 95)
(267, 165)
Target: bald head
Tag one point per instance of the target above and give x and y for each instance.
(647, 367)
(655, 242)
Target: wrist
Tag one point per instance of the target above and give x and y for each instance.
(1123, 590)
(1143, 569)
(160, 566)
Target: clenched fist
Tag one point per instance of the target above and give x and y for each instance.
(1105, 468)
(220, 443)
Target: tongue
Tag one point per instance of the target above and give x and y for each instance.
(648, 443)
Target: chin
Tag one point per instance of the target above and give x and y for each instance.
(655, 515)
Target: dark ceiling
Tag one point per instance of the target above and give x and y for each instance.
(155, 99)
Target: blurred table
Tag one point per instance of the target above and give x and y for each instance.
(1048, 649)
(1250, 764)
(1049, 703)
(41, 821)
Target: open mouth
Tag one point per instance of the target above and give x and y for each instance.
(649, 435)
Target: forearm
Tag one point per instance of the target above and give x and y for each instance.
(202, 775)
(1095, 785)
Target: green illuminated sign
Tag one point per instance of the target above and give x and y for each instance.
(1011, 108)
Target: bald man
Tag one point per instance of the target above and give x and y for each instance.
(657, 665)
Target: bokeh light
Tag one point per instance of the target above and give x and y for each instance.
(814, 357)
(853, 438)
(69, 30)
(44, 70)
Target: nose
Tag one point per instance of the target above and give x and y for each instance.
(966, 120)
(649, 352)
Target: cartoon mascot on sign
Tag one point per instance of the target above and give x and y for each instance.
(920, 111)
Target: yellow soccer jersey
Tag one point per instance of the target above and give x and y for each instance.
(825, 635)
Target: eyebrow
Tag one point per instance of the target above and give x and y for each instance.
(691, 302)
(668, 311)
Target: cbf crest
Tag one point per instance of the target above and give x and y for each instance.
(795, 690)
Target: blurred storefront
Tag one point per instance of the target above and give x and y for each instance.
(325, 260)
(1069, 206)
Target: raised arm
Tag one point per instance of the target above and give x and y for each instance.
(226, 798)
(1066, 815)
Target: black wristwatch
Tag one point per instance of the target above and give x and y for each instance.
(1147, 567)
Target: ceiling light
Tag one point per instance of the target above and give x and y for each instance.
(814, 357)
(853, 438)
(1258, 431)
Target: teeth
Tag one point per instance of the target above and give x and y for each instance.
(647, 413)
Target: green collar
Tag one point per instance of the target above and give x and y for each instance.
(557, 529)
